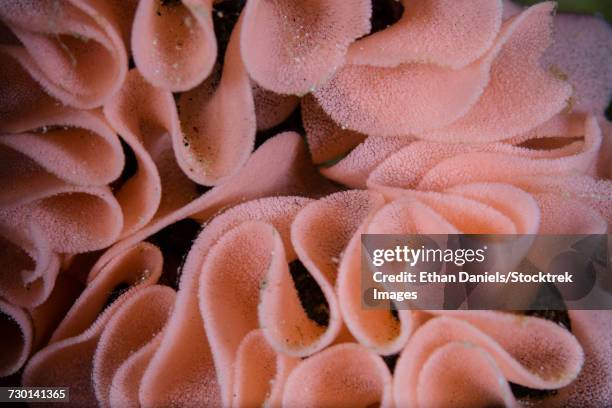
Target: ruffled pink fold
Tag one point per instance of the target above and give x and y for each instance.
(426, 118)
(594, 383)
(582, 53)
(50, 147)
(52, 214)
(245, 283)
(470, 208)
(437, 164)
(47, 316)
(125, 386)
(61, 161)
(516, 76)
(197, 382)
(326, 140)
(574, 203)
(271, 109)
(133, 327)
(74, 49)
(77, 147)
(68, 360)
(446, 369)
(174, 42)
(57, 202)
(339, 215)
(525, 350)
(555, 162)
(353, 170)
(268, 299)
(279, 167)
(17, 338)
(147, 120)
(455, 105)
(344, 375)
(218, 121)
(238, 264)
(320, 235)
(576, 158)
(58, 192)
(260, 373)
(376, 329)
(448, 33)
(305, 43)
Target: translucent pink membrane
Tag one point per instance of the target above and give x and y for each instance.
(293, 174)
(197, 381)
(30, 269)
(150, 308)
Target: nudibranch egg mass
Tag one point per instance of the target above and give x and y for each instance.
(184, 185)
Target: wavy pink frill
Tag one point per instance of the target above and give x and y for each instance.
(60, 162)
(594, 383)
(326, 140)
(174, 42)
(53, 154)
(33, 266)
(197, 381)
(471, 355)
(260, 373)
(305, 42)
(146, 119)
(86, 341)
(259, 238)
(234, 338)
(271, 109)
(455, 105)
(218, 120)
(344, 375)
(469, 99)
(446, 33)
(63, 162)
(75, 49)
(582, 53)
(556, 162)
